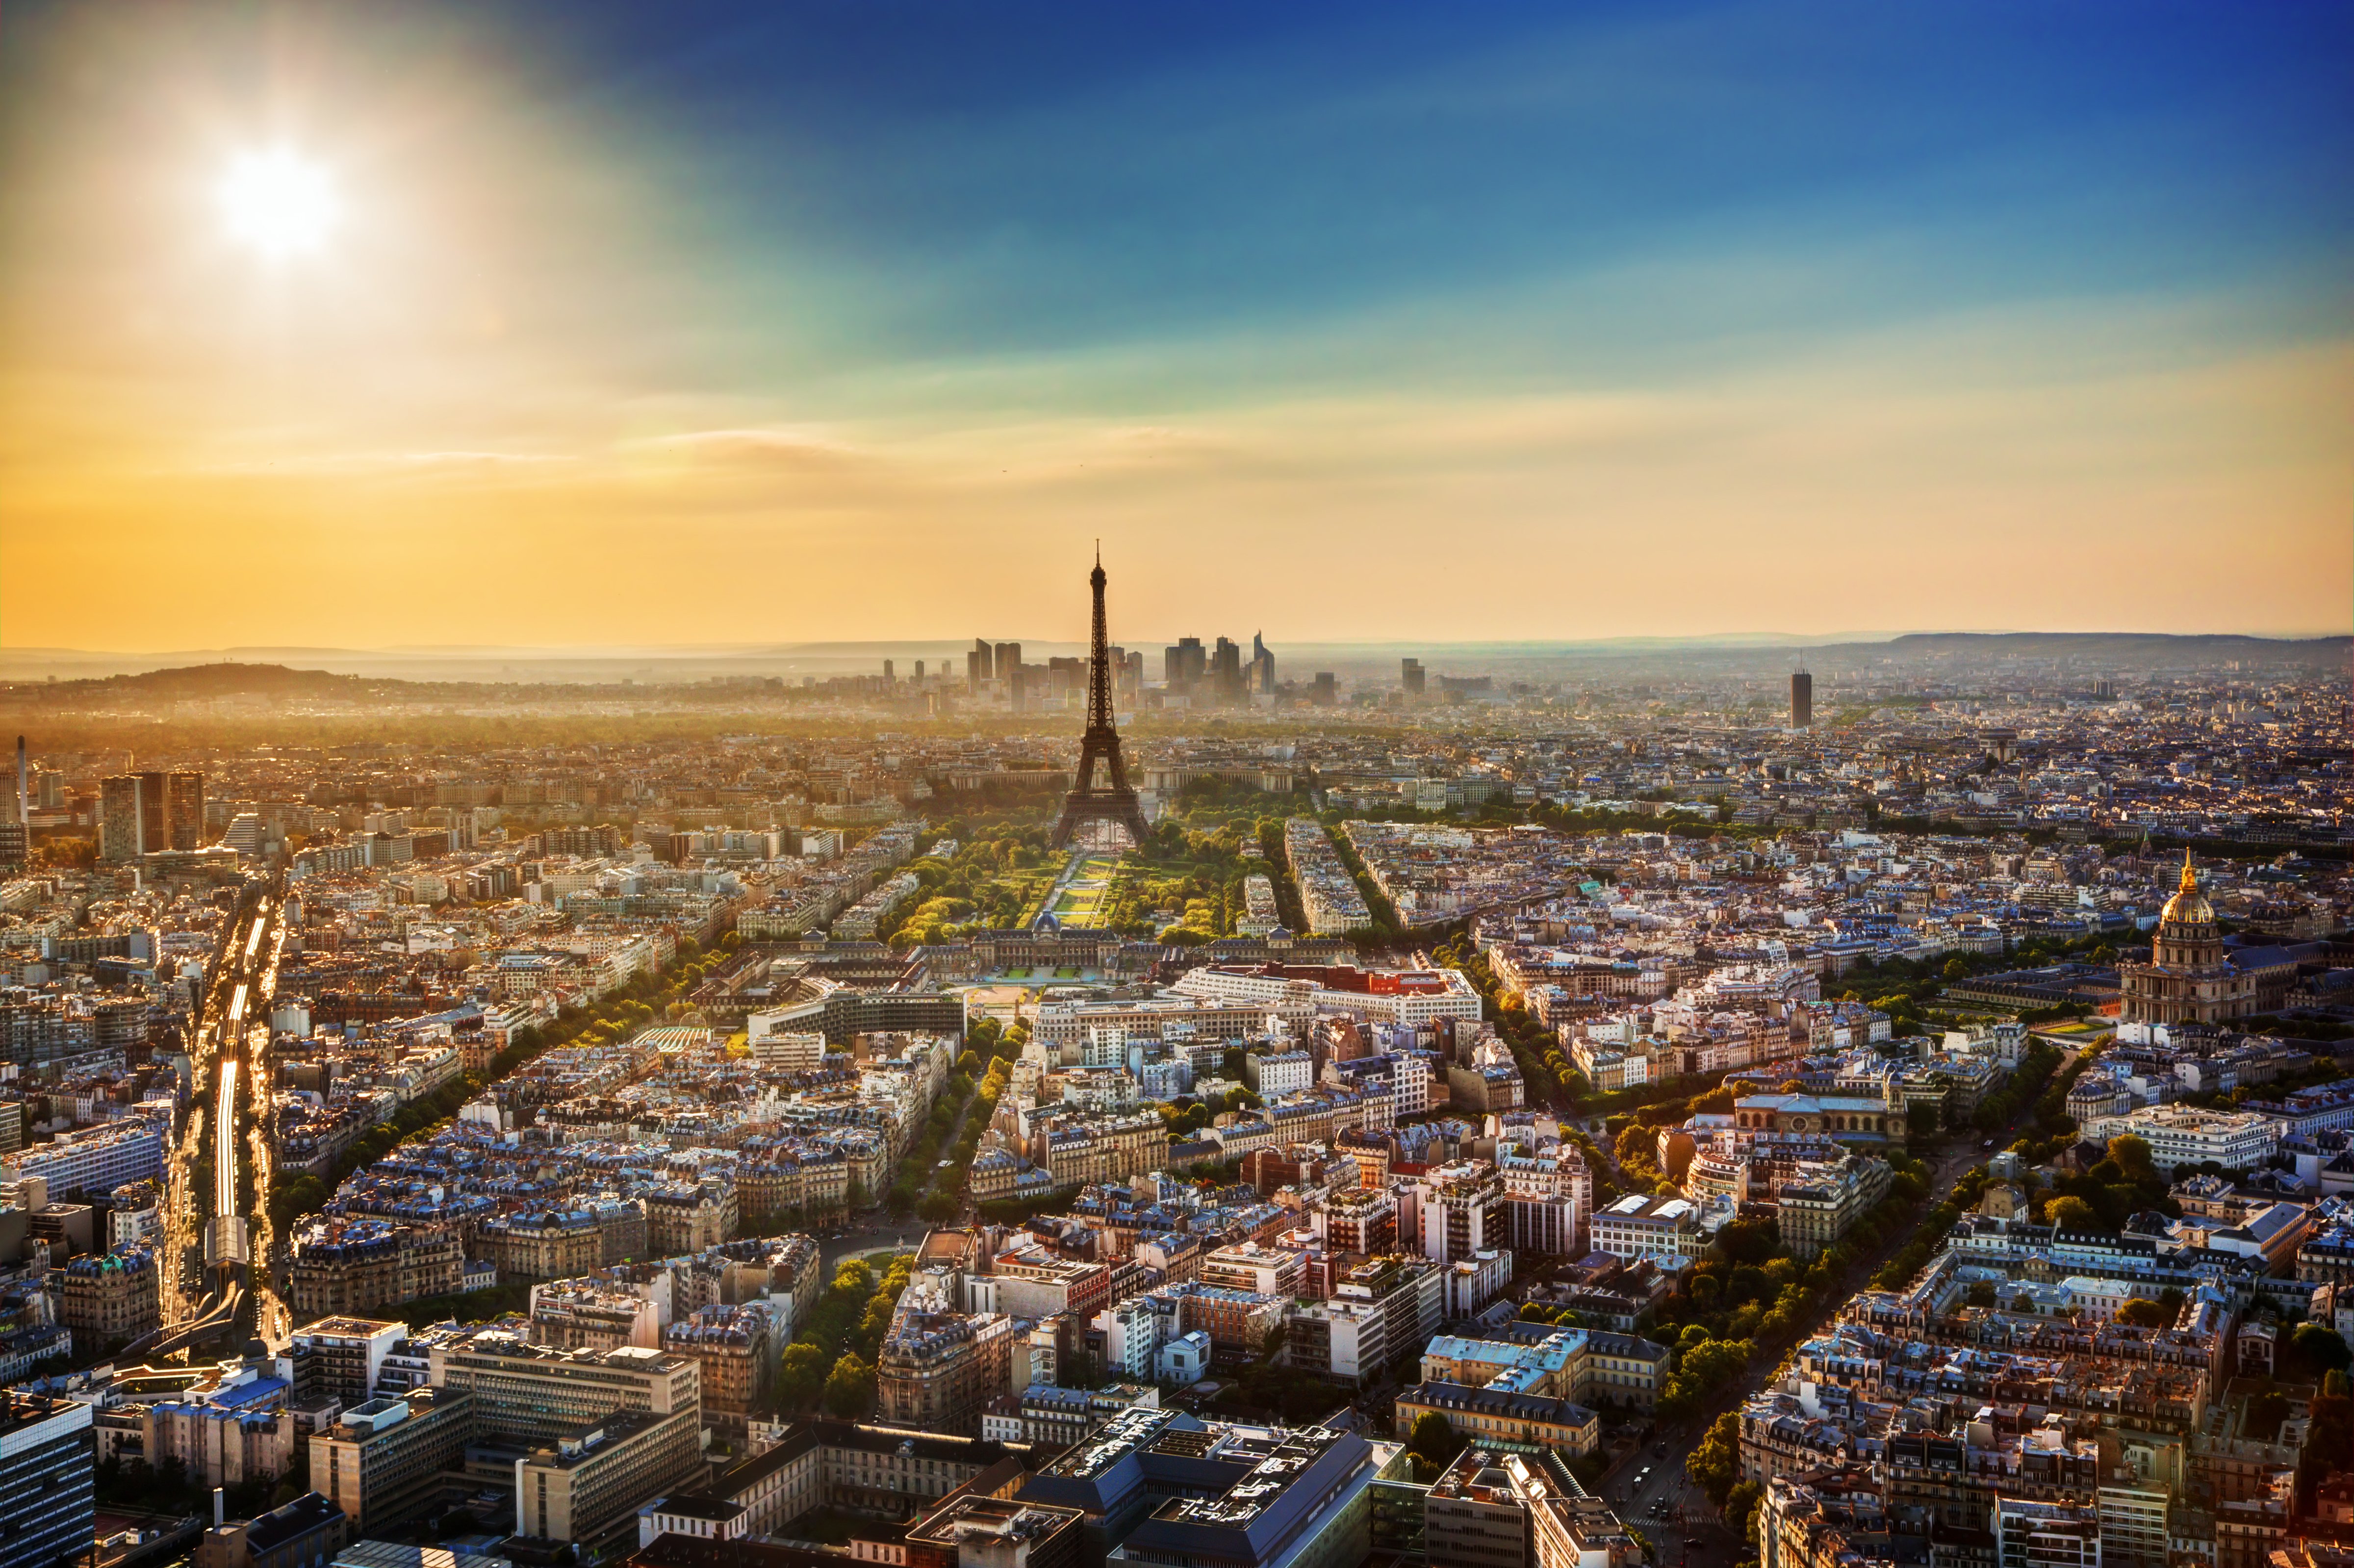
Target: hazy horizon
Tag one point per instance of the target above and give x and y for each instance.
(1355, 663)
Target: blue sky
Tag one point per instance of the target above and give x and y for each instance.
(1045, 176)
(1824, 293)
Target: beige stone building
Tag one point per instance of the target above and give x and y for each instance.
(342, 1266)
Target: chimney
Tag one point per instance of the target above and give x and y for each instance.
(220, 1507)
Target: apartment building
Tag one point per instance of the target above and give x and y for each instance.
(1462, 1212)
(1639, 1226)
(2185, 1135)
(110, 1296)
(561, 1243)
(341, 1359)
(1498, 1418)
(536, 1395)
(588, 1486)
(1271, 1271)
(1380, 1312)
(349, 1265)
(1361, 1220)
(93, 1160)
(601, 1312)
(683, 1217)
(938, 1368)
(1825, 1201)
(382, 1460)
(2030, 1534)
(738, 1350)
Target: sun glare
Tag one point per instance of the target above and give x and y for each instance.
(278, 202)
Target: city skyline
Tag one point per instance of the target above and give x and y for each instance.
(1785, 317)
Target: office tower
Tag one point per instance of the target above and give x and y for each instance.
(381, 1460)
(919, 672)
(887, 676)
(48, 1460)
(1182, 667)
(1227, 670)
(979, 665)
(119, 819)
(1262, 665)
(1009, 670)
(154, 812)
(1410, 676)
(529, 1395)
(183, 815)
(141, 812)
(1802, 700)
(1087, 801)
(1326, 693)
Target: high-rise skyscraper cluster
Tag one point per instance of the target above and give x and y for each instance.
(140, 812)
(1218, 675)
(995, 669)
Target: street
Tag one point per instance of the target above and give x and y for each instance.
(871, 1232)
(1653, 1477)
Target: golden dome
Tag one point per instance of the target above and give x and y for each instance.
(2188, 903)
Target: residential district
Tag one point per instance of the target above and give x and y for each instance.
(1700, 1118)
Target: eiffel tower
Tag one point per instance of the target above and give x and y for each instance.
(1113, 801)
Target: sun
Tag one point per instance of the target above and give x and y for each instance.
(279, 203)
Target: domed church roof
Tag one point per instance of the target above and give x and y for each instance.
(2188, 903)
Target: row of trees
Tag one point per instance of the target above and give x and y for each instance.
(931, 1179)
(1192, 861)
(831, 1361)
(1940, 1219)
(1715, 1466)
(1546, 1073)
(2025, 1086)
(1757, 1294)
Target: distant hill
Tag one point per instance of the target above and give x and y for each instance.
(2127, 648)
(227, 680)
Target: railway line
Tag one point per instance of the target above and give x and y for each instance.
(230, 1047)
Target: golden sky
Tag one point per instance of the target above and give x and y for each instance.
(605, 346)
